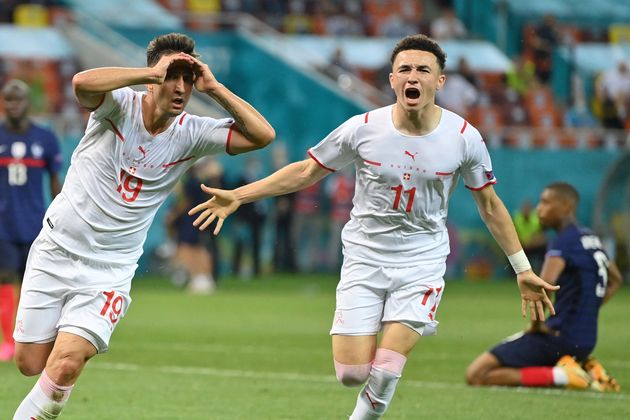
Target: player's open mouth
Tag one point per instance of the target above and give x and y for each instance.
(412, 93)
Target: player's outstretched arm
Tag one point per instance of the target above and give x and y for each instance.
(253, 130)
(293, 177)
(497, 219)
(90, 85)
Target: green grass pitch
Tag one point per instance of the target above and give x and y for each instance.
(260, 350)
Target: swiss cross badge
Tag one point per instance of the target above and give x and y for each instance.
(406, 176)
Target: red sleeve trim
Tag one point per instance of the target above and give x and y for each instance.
(227, 144)
(181, 120)
(319, 163)
(367, 114)
(483, 186)
(97, 106)
(464, 127)
(371, 162)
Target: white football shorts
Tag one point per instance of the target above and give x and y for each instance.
(64, 292)
(368, 296)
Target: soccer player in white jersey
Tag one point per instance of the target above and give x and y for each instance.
(408, 157)
(136, 146)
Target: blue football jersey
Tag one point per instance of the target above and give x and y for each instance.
(24, 158)
(582, 284)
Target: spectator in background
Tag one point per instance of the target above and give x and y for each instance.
(448, 26)
(546, 37)
(530, 233)
(521, 76)
(27, 152)
(248, 226)
(612, 95)
(307, 228)
(196, 254)
(458, 95)
(340, 190)
(464, 70)
(284, 249)
(578, 115)
(337, 64)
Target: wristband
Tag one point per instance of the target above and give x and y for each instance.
(519, 262)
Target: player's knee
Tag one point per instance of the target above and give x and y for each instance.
(474, 376)
(352, 375)
(29, 367)
(68, 367)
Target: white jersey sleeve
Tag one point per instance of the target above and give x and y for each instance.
(338, 148)
(476, 168)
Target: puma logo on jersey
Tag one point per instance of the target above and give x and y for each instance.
(144, 153)
(412, 156)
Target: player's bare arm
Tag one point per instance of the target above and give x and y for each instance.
(499, 223)
(552, 268)
(293, 177)
(614, 281)
(90, 85)
(253, 131)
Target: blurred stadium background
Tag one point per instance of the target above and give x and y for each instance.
(531, 75)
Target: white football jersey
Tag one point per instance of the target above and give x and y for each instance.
(120, 175)
(403, 183)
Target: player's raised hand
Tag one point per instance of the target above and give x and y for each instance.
(205, 81)
(167, 60)
(219, 207)
(534, 295)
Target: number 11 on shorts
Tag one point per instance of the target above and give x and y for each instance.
(113, 304)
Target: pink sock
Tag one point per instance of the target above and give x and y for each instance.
(7, 311)
(57, 393)
(537, 376)
(45, 401)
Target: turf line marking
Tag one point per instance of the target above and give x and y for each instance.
(231, 349)
(329, 379)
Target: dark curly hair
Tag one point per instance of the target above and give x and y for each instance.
(566, 191)
(169, 44)
(423, 43)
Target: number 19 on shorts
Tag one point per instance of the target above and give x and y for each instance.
(113, 306)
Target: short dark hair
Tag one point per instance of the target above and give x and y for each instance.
(423, 43)
(16, 85)
(565, 191)
(169, 44)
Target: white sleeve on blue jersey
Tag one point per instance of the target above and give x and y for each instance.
(338, 148)
(476, 168)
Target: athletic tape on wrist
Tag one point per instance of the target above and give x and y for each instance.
(519, 262)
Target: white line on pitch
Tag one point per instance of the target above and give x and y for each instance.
(300, 377)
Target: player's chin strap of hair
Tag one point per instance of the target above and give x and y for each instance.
(519, 262)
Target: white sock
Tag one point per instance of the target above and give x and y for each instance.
(560, 377)
(379, 389)
(202, 284)
(45, 400)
